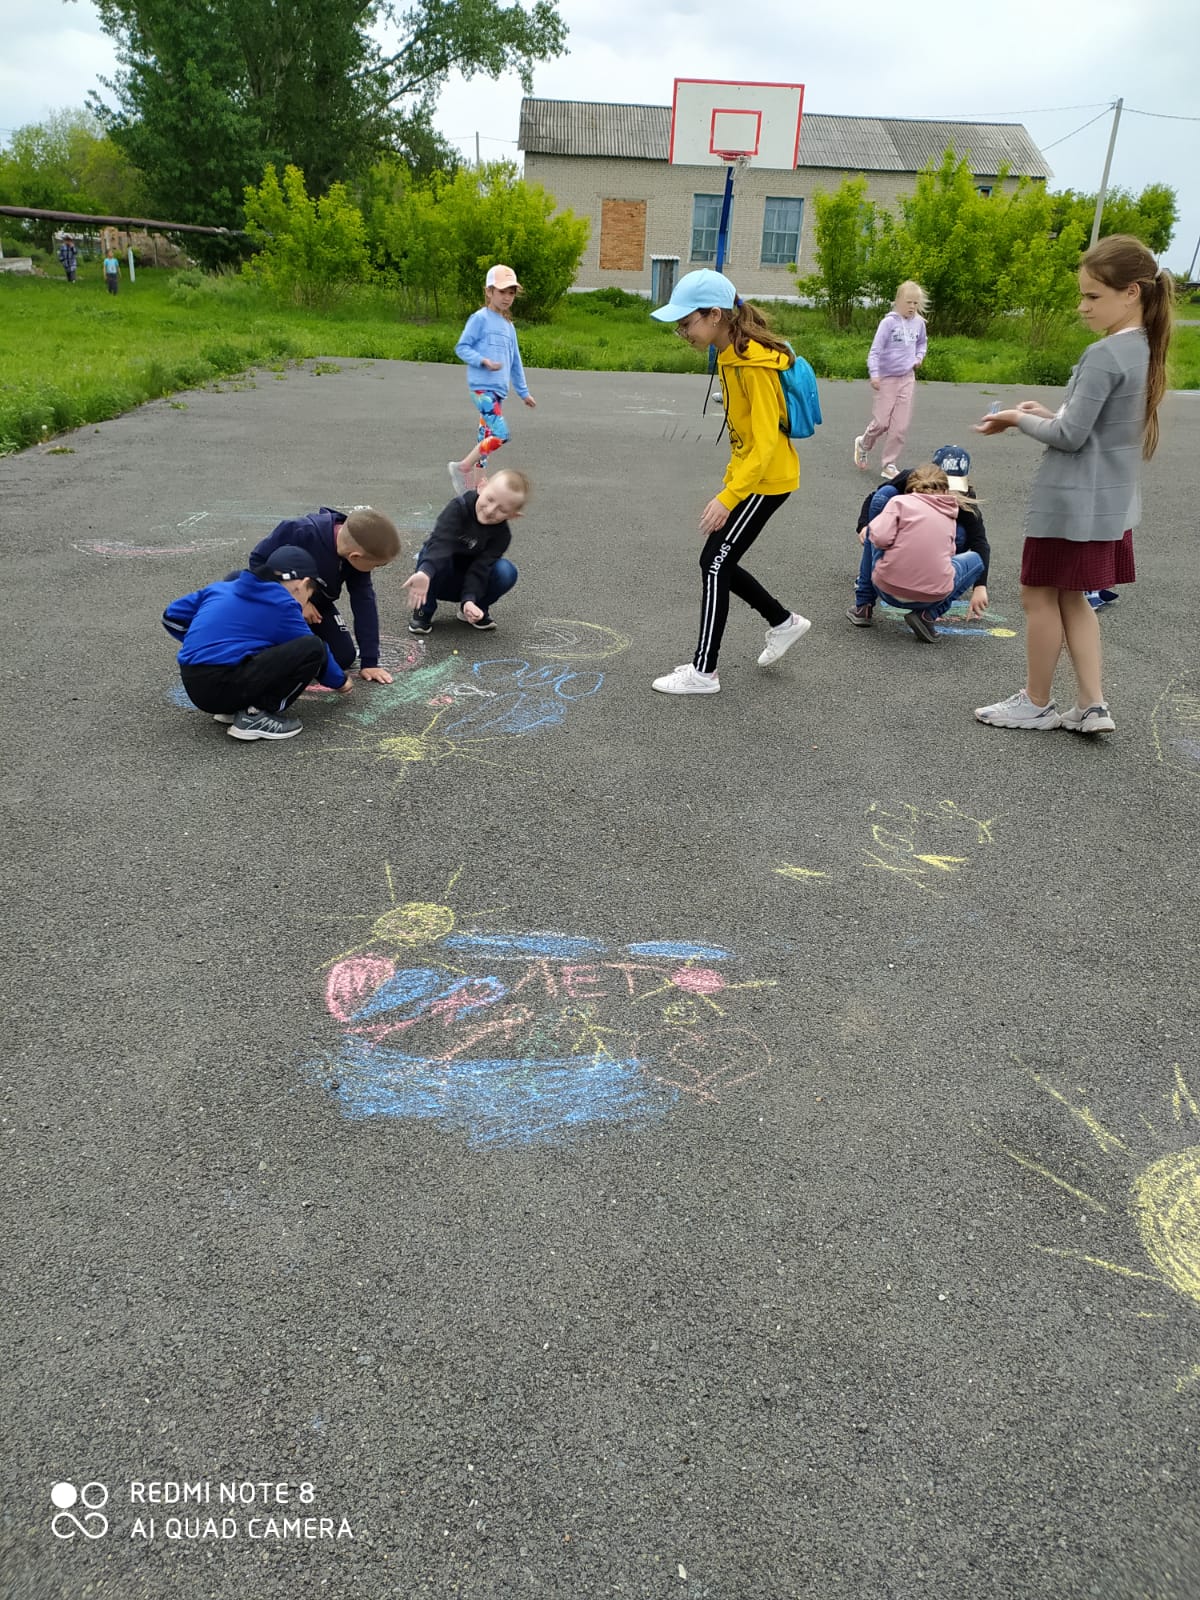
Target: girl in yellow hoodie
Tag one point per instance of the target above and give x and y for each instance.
(763, 469)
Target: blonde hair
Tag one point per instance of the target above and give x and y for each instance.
(1117, 262)
(516, 481)
(926, 479)
(915, 288)
(374, 534)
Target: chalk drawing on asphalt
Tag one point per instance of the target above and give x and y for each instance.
(1139, 1189)
(520, 1037)
(988, 626)
(923, 847)
(1175, 724)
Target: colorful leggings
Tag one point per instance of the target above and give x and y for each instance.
(493, 430)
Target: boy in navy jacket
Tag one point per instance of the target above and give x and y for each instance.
(247, 650)
(346, 549)
(463, 558)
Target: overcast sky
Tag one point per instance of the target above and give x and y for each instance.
(1051, 64)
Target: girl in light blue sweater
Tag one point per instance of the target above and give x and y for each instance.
(488, 345)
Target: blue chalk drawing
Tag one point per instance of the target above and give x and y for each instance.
(579, 1033)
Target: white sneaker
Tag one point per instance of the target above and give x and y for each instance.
(1095, 719)
(686, 680)
(890, 470)
(783, 638)
(860, 453)
(1019, 711)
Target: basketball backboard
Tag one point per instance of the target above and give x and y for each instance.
(716, 121)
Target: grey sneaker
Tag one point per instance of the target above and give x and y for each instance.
(1095, 719)
(1019, 711)
(420, 622)
(783, 638)
(252, 724)
(862, 616)
(484, 625)
(920, 624)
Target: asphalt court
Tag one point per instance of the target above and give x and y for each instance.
(590, 1142)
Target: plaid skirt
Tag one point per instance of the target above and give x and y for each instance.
(1071, 564)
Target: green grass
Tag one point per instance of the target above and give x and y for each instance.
(74, 355)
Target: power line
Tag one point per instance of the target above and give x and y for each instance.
(1080, 129)
(1166, 115)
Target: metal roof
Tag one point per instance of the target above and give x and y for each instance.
(847, 144)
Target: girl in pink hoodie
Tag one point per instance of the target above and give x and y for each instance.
(908, 553)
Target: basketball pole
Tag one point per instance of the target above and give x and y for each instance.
(722, 243)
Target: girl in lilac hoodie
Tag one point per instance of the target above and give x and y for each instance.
(896, 352)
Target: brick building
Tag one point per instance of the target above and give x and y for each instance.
(652, 222)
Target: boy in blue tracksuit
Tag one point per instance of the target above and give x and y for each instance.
(488, 345)
(248, 652)
(346, 549)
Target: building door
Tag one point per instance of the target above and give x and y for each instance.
(664, 271)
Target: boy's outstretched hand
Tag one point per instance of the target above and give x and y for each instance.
(472, 612)
(418, 588)
(376, 675)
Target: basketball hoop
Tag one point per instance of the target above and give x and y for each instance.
(733, 158)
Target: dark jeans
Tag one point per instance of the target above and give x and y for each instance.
(968, 570)
(111, 282)
(448, 586)
(269, 681)
(335, 634)
(722, 575)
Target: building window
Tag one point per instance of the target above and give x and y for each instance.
(984, 189)
(706, 224)
(782, 220)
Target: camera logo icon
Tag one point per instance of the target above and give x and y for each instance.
(90, 1521)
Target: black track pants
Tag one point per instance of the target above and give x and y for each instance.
(721, 571)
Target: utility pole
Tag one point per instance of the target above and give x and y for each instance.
(1112, 139)
(478, 162)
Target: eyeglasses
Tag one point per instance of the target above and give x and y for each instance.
(681, 328)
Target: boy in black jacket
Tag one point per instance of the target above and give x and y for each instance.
(463, 558)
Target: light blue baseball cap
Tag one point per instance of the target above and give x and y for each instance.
(698, 291)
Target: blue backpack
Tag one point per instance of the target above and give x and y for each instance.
(799, 385)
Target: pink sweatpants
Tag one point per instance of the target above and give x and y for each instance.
(891, 415)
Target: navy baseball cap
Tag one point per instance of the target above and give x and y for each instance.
(289, 561)
(955, 463)
(697, 291)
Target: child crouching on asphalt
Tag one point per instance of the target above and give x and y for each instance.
(970, 533)
(463, 558)
(247, 650)
(347, 548)
(909, 555)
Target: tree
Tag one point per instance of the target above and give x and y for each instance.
(67, 163)
(845, 230)
(1151, 216)
(211, 91)
(311, 249)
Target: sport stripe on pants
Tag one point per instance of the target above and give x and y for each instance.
(722, 572)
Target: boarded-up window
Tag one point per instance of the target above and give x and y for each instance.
(622, 235)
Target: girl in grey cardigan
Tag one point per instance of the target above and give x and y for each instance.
(1085, 501)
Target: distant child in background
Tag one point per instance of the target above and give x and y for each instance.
(897, 350)
(488, 345)
(347, 548)
(248, 652)
(69, 257)
(763, 470)
(969, 535)
(909, 556)
(463, 558)
(1085, 499)
(112, 273)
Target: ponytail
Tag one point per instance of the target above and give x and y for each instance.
(746, 322)
(1118, 261)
